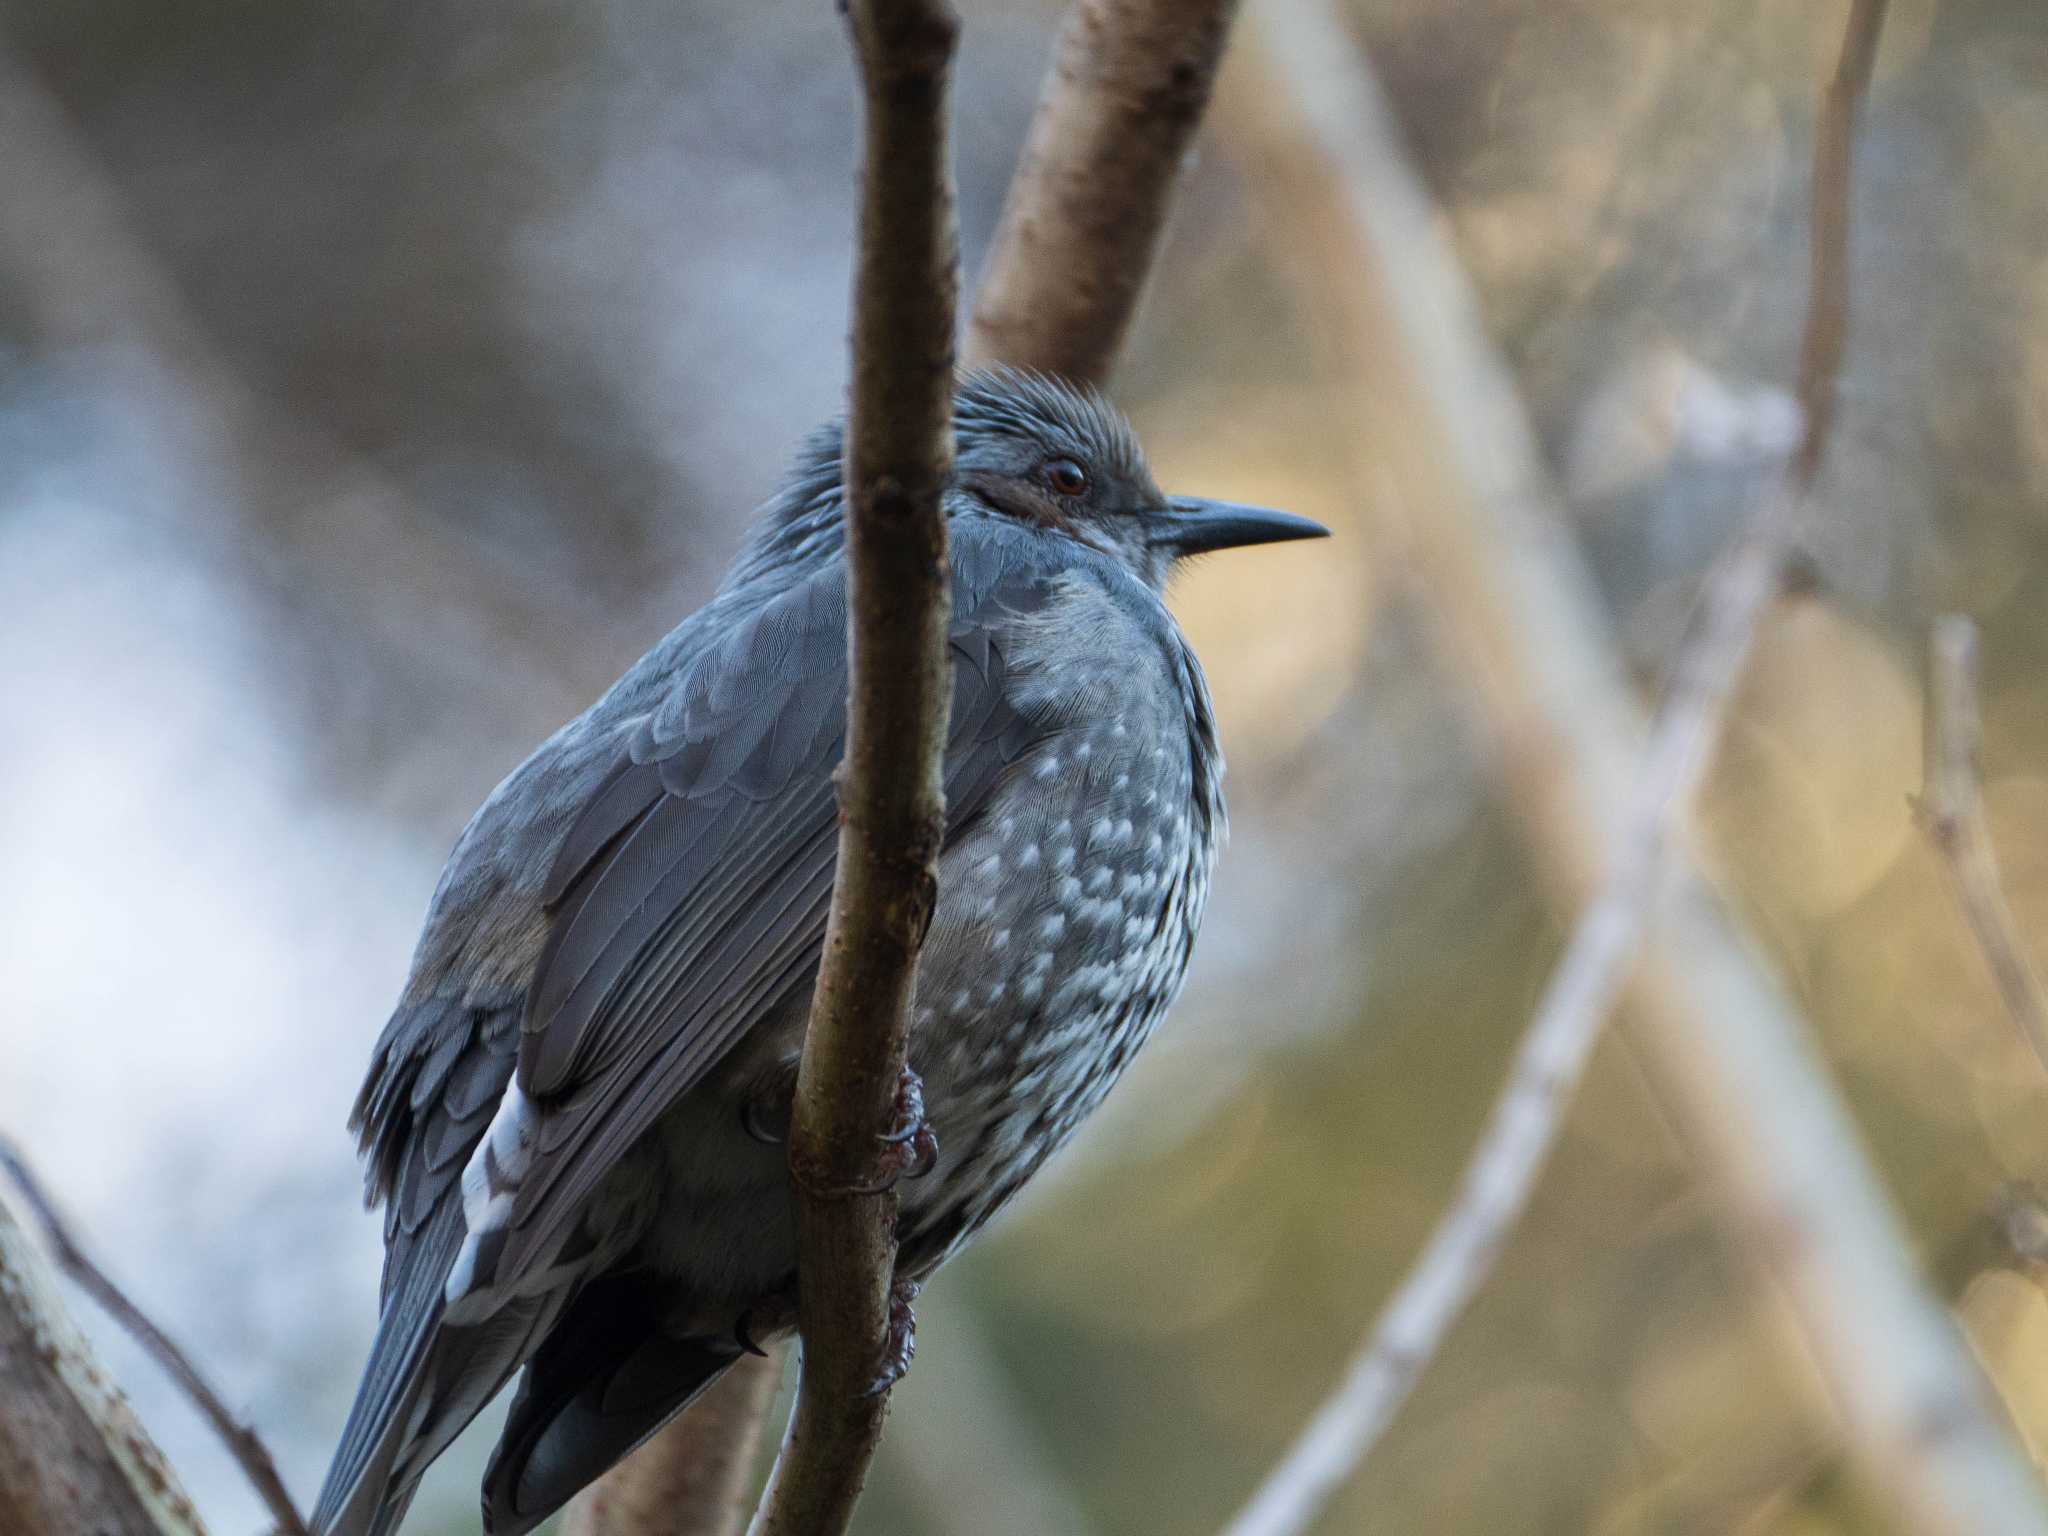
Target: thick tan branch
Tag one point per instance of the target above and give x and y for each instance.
(892, 811)
(1952, 812)
(72, 1455)
(241, 1440)
(1729, 1052)
(1088, 205)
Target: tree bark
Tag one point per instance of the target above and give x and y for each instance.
(1087, 208)
(898, 455)
(74, 1460)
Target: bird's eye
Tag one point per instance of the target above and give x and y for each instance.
(1066, 477)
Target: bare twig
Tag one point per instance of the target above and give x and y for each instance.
(1088, 205)
(692, 1479)
(1827, 313)
(241, 1440)
(1588, 979)
(73, 1458)
(1952, 813)
(892, 808)
(1726, 1047)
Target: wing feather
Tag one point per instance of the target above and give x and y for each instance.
(691, 898)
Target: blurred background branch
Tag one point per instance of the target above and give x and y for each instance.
(242, 1441)
(1839, 1239)
(1952, 810)
(1088, 206)
(1559, 1040)
(72, 1455)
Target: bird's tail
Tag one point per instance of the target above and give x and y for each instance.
(424, 1382)
(606, 1378)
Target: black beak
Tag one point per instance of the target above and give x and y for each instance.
(1188, 525)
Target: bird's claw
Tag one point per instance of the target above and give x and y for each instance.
(910, 1147)
(743, 1335)
(899, 1344)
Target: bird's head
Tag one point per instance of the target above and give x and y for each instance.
(1032, 449)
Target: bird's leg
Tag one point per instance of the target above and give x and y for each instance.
(899, 1344)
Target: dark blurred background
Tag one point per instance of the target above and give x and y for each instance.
(378, 379)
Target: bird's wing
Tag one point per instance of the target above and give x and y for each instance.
(689, 899)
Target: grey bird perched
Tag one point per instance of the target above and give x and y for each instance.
(573, 1116)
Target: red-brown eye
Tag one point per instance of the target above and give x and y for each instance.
(1066, 477)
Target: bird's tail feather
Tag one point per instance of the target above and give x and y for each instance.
(606, 1378)
(373, 1436)
(424, 1382)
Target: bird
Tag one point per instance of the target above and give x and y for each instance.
(574, 1118)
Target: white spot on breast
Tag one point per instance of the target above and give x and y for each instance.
(1027, 856)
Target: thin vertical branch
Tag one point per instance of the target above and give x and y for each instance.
(242, 1441)
(1087, 208)
(1951, 811)
(892, 809)
(1725, 1044)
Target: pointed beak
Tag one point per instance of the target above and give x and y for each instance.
(1190, 526)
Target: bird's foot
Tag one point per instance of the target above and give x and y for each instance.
(910, 1145)
(910, 1149)
(899, 1344)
